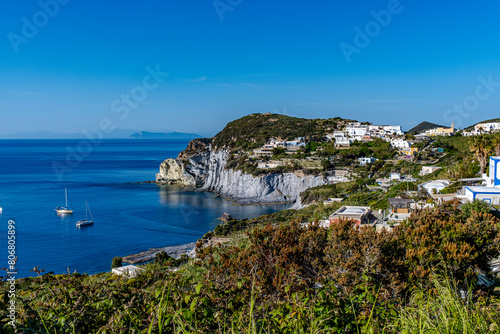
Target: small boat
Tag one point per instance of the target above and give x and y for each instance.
(86, 221)
(64, 209)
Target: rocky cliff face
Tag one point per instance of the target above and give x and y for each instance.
(207, 169)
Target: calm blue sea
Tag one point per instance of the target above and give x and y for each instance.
(128, 217)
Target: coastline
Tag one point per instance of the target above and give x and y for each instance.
(234, 201)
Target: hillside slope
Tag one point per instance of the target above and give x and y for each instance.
(254, 130)
(424, 126)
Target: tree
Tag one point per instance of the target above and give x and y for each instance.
(325, 164)
(441, 236)
(116, 262)
(481, 146)
(277, 151)
(475, 206)
(354, 251)
(277, 257)
(496, 143)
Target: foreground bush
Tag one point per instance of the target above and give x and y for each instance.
(447, 312)
(288, 279)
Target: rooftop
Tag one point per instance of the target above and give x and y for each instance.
(352, 210)
(479, 189)
(436, 183)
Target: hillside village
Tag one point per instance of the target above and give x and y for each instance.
(343, 138)
(428, 167)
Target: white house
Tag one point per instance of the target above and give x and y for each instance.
(470, 133)
(341, 138)
(365, 161)
(395, 177)
(429, 170)
(392, 130)
(400, 143)
(490, 193)
(487, 127)
(436, 185)
(356, 130)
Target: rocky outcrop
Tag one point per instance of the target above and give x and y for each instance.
(207, 169)
(189, 169)
(226, 216)
(173, 171)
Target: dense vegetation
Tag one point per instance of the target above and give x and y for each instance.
(284, 278)
(255, 130)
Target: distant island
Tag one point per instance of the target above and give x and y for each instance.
(163, 135)
(115, 134)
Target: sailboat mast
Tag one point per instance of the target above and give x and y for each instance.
(91, 218)
(66, 196)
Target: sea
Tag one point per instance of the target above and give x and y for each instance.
(129, 216)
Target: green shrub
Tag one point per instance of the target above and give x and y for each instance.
(116, 262)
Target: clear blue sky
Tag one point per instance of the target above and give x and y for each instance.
(264, 56)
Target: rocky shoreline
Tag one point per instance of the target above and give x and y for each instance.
(206, 170)
(172, 251)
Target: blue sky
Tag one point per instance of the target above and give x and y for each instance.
(263, 56)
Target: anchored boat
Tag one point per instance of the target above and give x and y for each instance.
(64, 209)
(86, 221)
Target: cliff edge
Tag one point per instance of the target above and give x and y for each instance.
(209, 164)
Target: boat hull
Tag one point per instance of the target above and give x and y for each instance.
(64, 212)
(84, 222)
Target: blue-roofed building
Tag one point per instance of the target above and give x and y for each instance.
(491, 193)
(494, 177)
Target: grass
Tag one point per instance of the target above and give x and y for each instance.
(446, 312)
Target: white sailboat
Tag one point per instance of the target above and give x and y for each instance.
(86, 221)
(64, 209)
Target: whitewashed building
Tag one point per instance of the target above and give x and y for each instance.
(364, 161)
(434, 185)
(392, 130)
(429, 170)
(341, 138)
(491, 193)
(400, 143)
(487, 127)
(356, 130)
(395, 177)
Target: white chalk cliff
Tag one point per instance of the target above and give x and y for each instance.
(207, 169)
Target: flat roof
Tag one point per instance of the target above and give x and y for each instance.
(436, 183)
(478, 189)
(352, 211)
